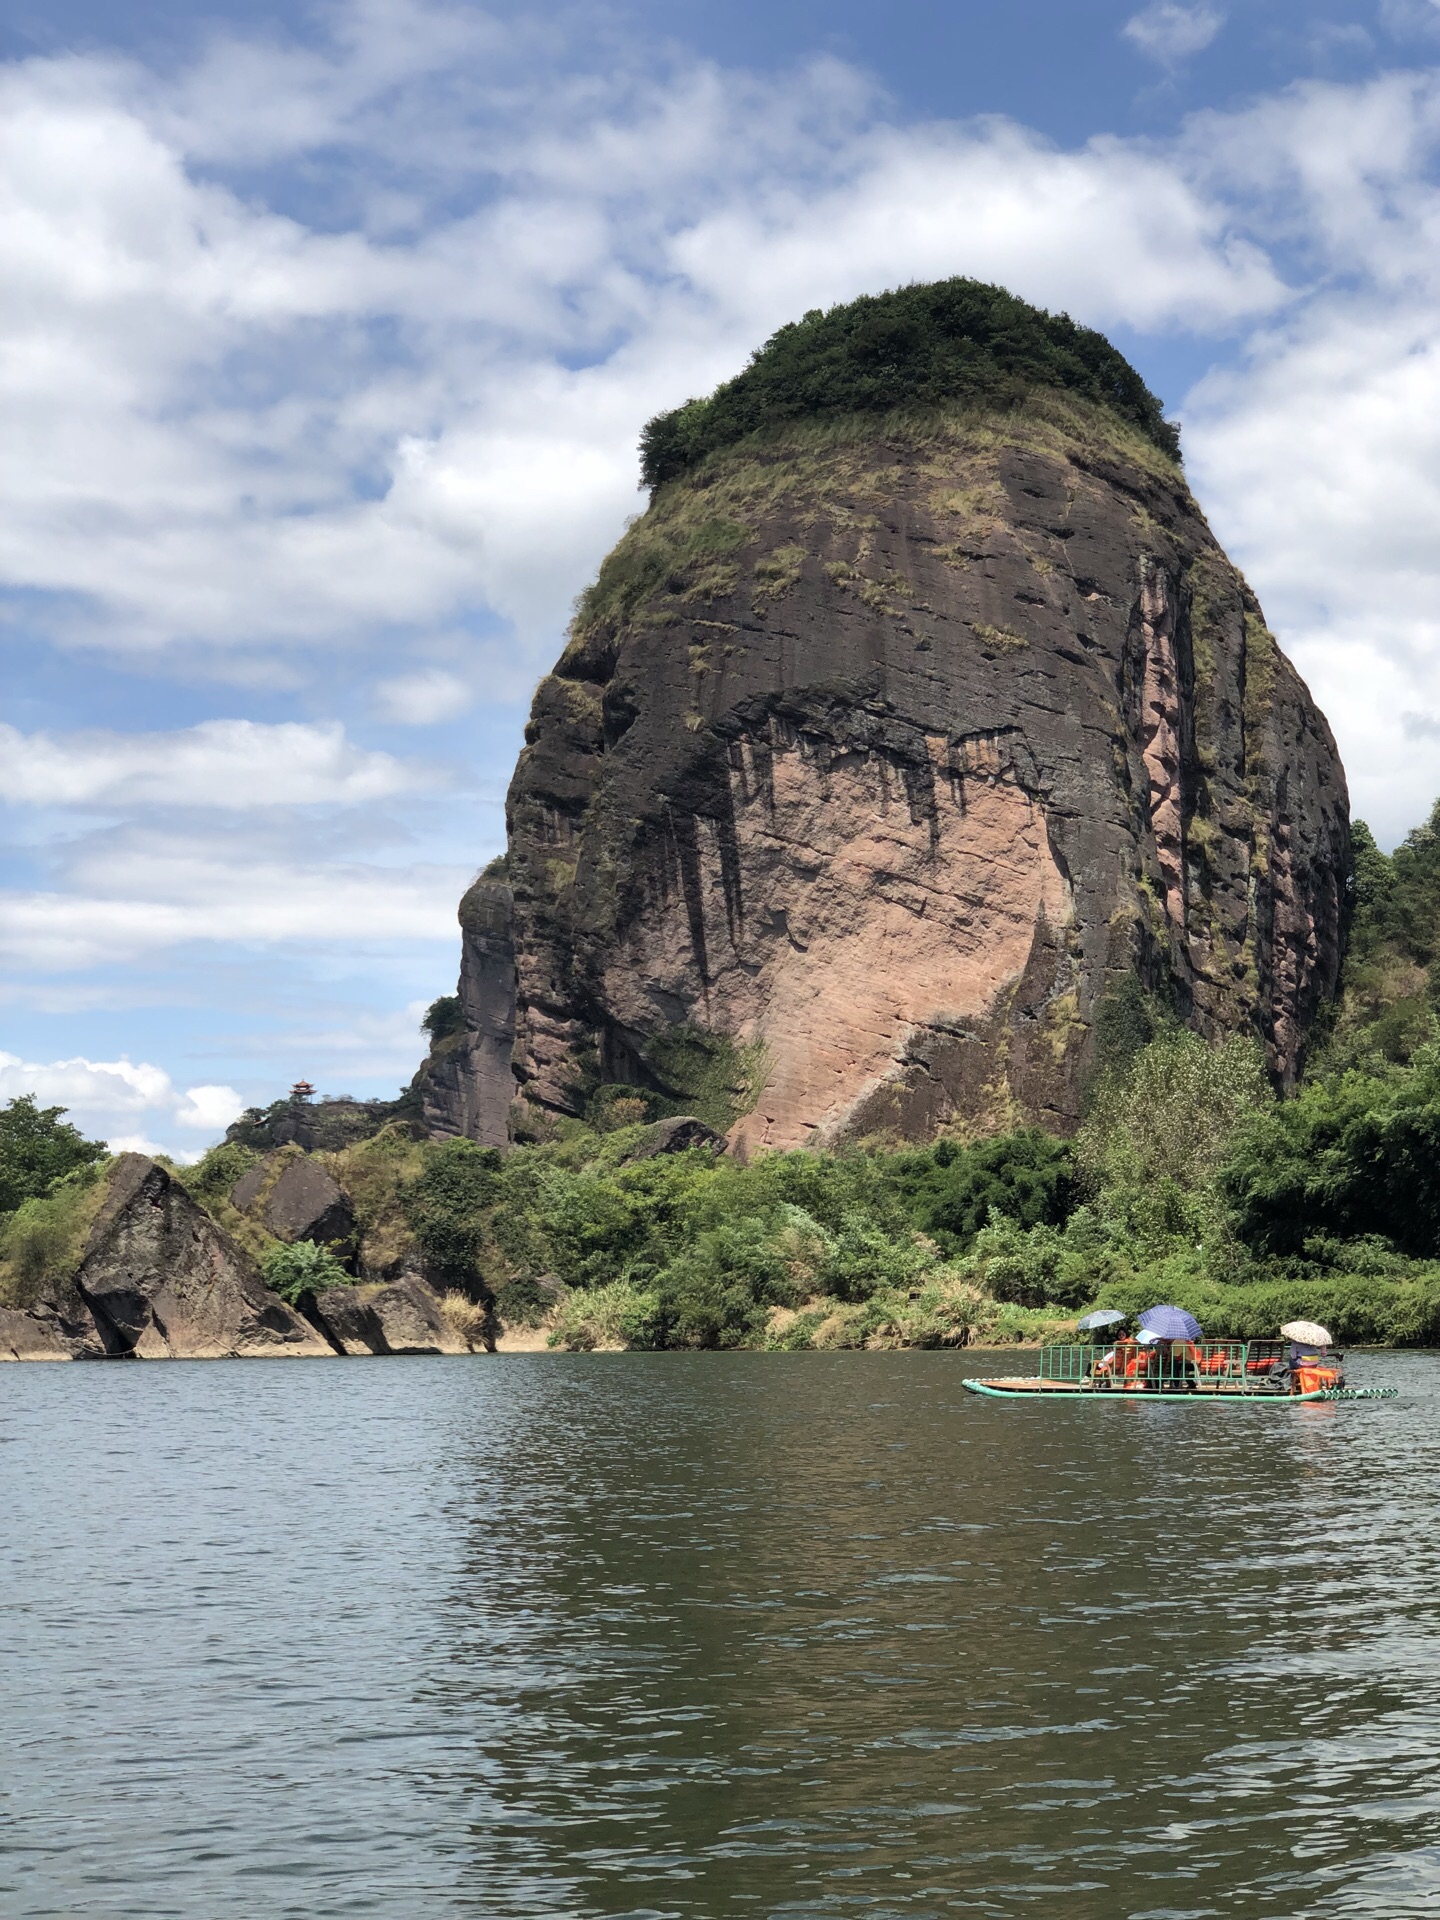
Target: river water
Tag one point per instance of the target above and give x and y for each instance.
(710, 1635)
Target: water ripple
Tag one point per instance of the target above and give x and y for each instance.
(667, 1637)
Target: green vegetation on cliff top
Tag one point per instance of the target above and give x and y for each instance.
(918, 346)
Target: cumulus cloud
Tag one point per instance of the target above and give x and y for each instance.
(1170, 32)
(442, 391)
(132, 896)
(227, 764)
(1318, 455)
(142, 1143)
(102, 1095)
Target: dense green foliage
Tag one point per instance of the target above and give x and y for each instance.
(216, 1173)
(950, 1191)
(1353, 1156)
(1392, 969)
(44, 1237)
(446, 1209)
(303, 1269)
(1159, 1127)
(917, 346)
(37, 1148)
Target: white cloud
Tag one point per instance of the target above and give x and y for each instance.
(132, 898)
(142, 1143)
(230, 764)
(1169, 32)
(439, 410)
(100, 1093)
(1318, 457)
(209, 1108)
(421, 699)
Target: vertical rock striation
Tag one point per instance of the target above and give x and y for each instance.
(885, 748)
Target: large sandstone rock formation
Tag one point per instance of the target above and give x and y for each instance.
(884, 752)
(467, 1085)
(152, 1278)
(167, 1283)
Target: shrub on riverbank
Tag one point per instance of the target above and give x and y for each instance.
(301, 1270)
(44, 1238)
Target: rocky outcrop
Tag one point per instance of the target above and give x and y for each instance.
(317, 1126)
(294, 1198)
(57, 1325)
(167, 1283)
(410, 1320)
(877, 760)
(151, 1276)
(466, 1085)
(404, 1317)
(343, 1314)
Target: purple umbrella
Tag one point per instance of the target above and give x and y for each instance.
(1171, 1323)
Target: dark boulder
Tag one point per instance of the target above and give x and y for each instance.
(295, 1199)
(168, 1283)
(345, 1315)
(410, 1319)
(55, 1325)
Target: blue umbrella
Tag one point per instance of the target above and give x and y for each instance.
(1102, 1317)
(1171, 1323)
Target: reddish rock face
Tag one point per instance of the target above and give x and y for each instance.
(878, 758)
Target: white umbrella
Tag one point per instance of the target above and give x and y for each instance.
(1307, 1333)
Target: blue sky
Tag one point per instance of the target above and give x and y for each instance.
(328, 333)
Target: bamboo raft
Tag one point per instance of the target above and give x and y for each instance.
(1257, 1372)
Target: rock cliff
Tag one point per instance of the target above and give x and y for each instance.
(886, 749)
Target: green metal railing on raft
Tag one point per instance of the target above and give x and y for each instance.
(1189, 1365)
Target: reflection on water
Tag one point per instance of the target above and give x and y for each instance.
(663, 1635)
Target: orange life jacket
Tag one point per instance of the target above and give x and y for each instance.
(1314, 1379)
